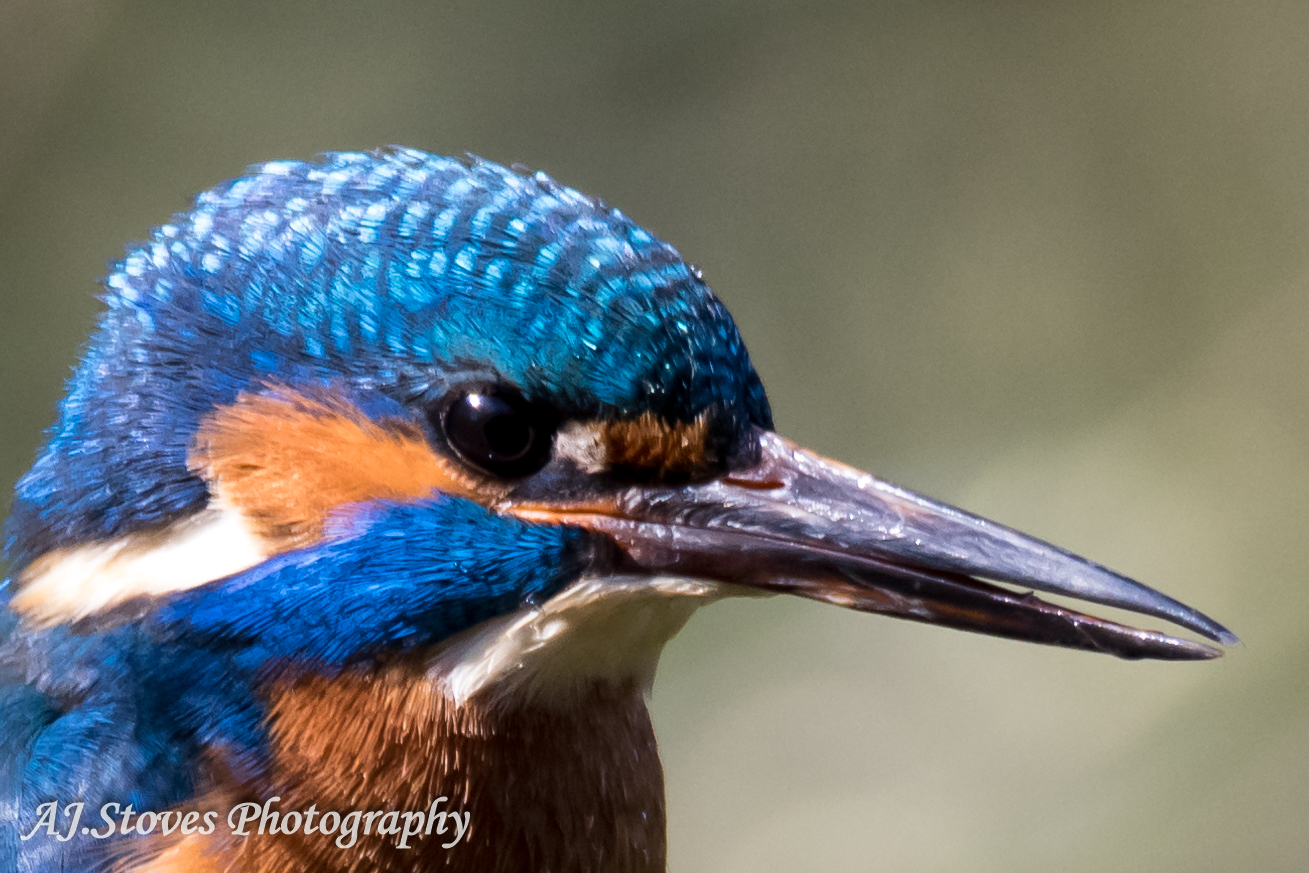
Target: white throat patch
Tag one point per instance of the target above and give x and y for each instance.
(612, 627)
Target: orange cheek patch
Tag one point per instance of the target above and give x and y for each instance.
(662, 447)
(286, 461)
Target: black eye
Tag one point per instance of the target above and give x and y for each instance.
(499, 432)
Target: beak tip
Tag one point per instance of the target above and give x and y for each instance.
(1210, 653)
(1207, 653)
(1203, 624)
(1174, 650)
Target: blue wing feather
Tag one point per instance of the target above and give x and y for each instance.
(79, 724)
(129, 709)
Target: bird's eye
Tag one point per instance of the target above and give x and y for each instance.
(499, 432)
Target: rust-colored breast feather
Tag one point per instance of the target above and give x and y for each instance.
(566, 790)
(194, 854)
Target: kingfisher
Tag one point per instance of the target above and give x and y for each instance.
(380, 488)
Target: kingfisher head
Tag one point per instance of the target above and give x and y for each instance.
(317, 340)
(388, 475)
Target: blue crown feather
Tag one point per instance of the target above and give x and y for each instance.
(391, 270)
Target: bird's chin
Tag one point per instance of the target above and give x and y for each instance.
(598, 629)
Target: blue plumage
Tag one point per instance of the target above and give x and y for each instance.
(394, 270)
(387, 275)
(391, 578)
(126, 704)
(96, 720)
(343, 411)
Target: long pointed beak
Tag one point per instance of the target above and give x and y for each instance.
(797, 522)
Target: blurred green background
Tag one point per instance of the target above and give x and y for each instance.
(1048, 263)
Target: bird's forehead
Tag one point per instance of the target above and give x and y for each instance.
(404, 265)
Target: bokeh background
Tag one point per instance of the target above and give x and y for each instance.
(1047, 261)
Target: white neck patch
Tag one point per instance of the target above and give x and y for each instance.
(71, 584)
